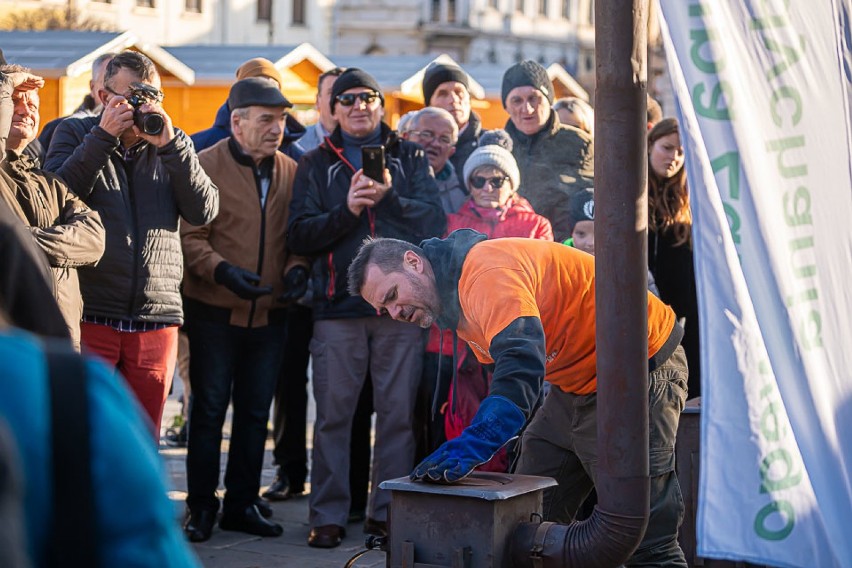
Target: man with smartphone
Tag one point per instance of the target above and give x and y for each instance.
(361, 181)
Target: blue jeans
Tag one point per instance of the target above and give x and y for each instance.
(561, 442)
(229, 362)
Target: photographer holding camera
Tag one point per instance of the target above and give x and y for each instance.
(141, 174)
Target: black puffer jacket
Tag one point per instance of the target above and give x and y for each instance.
(322, 226)
(140, 196)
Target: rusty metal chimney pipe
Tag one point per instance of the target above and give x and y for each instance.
(615, 529)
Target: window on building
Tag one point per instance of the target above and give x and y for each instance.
(298, 12)
(592, 12)
(451, 11)
(103, 1)
(542, 7)
(519, 6)
(566, 9)
(145, 3)
(264, 10)
(436, 10)
(494, 4)
(193, 6)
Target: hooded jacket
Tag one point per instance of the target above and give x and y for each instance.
(516, 220)
(141, 193)
(322, 226)
(528, 307)
(554, 163)
(69, 233)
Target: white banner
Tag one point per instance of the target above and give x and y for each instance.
(763, 96)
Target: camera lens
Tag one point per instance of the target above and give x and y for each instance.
(149, 122)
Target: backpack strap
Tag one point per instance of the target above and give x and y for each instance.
(72, 541)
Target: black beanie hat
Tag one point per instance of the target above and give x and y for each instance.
(350, 79)
(527, 74)
(581, 206)
(437, 73)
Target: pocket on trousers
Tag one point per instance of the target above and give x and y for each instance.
(319, 364)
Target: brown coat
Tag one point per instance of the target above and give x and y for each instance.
(69, 233)
(239, 233)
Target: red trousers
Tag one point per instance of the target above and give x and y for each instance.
(146, 360)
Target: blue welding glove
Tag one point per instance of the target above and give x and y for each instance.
(496, 422)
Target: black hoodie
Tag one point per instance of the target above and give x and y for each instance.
(518, 351)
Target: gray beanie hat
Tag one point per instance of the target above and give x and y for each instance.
(526, 74)
(495, 156)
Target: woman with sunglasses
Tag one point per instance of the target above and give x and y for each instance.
(495, 209)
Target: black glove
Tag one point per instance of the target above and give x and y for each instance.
(295, 284)
(240, 281)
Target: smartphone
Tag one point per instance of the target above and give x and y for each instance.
(373, 162)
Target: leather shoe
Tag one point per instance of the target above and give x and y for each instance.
(199, 525)
(375, 527)
(326, 536)
(279, 490)
(263, 507)
(249, 521)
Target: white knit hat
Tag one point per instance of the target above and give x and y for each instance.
(496, 156)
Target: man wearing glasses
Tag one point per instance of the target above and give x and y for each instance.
(555, 160)
(141, 183)
(435, 130)
(335, 207)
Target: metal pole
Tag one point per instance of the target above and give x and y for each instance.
(616, 527)
(621, 278)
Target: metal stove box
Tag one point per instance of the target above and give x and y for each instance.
(464, 525)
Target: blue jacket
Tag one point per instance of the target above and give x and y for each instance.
(293, 130)
(135, 520)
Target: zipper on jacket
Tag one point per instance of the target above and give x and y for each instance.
(262, 204)
(331, 276)
(134, 219)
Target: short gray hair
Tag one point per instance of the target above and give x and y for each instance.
(386, 254)
(436, 112)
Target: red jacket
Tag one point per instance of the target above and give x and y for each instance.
(516, 220)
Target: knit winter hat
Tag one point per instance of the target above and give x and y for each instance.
(495, 156)
(581, 206)
(527, 74)
(437, 73)
(350, 79)
(260, 67)
(496, 136)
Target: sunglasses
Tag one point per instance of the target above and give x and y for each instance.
(496, 182)
(348, 99)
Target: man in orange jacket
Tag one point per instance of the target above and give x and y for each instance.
(527, 307)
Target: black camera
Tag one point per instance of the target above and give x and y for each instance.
(148, 122)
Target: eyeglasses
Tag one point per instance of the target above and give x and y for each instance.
(348, 99)
(427, 136)
(496, 182)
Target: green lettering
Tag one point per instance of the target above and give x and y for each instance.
(783, 481)
(810, 329)
(786, 92)
(769, 424)
(731, 162)
(784, 510)
(790, 56)
(781, 146)
(712, 110)
(797, 208)
(734, 222)
(700, 39)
